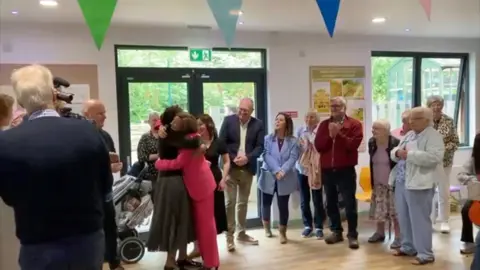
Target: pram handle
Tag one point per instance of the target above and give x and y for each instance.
(139, 175)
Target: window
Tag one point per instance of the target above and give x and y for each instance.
(179, 58)
(392, 87)
(402, 80)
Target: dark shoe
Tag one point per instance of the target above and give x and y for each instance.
(169, 268)
(307, 232)
(353, 243)
(396, 244)
(319, 234)
(376, 238)
(334, 238)
(401, 253)
(188, 263)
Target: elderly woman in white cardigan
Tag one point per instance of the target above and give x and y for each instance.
(419, 158)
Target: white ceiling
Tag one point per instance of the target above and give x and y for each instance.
(450, 18)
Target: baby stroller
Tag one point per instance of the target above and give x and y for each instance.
(133, 205)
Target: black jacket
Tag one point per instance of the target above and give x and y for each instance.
(372, 148)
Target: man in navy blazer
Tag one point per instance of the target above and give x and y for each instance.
(244, 136)
(55, 174)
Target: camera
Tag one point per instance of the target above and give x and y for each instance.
(60, 83)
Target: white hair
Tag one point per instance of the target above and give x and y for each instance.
(383, 123)
(312, 112)
(406, 113)
(342, 100)
(152, 115)
(427, 113)
(433, 99)
(33, 87)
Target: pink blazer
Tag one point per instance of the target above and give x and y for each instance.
(197, 176)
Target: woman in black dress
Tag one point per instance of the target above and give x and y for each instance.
(217, 155)
(171, 228)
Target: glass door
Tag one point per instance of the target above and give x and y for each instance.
(145, 93)
(142, 91)
(222, 92)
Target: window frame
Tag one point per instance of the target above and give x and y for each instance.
(463, 95)
(119, 47)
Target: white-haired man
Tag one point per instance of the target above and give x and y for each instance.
(337, 141)
(419, 158)
(55, 174)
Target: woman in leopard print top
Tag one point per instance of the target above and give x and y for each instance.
(445, 125)
(147, 149)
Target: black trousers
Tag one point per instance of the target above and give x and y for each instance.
(467, 226)
(111, 235)
(343, 181)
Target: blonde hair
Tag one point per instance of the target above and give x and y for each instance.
(406, 113)
(312, 112)
(33, 87)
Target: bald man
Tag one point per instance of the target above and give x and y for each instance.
(95, 111)
(244, 136)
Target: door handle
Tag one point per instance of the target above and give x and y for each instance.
(204, 76)
(186, 76)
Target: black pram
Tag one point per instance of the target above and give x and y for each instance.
(133, 205)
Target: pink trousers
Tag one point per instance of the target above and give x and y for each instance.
(206, 231)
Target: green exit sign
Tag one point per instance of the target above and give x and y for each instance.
(200, 55)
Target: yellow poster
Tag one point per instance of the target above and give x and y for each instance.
(327, 82)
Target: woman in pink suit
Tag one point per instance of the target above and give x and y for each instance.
(200, 185)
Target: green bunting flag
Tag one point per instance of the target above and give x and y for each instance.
(98, 15)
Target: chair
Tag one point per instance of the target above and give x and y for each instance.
(366, 185)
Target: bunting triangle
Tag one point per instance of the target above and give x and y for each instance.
(98, 16)
(329, 10)
(226, 14)
(427, 7)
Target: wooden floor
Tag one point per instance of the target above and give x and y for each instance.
(313, 254)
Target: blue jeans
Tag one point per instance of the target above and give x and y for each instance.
(83, 252)
(413, 212)
(282, 202)
(476, 257)
(317, 198)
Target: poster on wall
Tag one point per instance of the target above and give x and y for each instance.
(327, 82)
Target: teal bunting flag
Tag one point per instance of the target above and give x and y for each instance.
(226, 13)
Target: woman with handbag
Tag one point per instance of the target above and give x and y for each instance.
(278, 175)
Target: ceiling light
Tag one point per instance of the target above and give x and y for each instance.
(240, 22)
(236, 12)
(14, 12)
(407, 29)
(379, 20)
(49, 3)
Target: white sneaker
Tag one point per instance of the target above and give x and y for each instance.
(444, 227)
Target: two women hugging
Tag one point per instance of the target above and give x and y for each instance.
(199, 182)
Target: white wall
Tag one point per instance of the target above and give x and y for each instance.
(287, 69)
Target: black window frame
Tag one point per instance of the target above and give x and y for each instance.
(463, 88)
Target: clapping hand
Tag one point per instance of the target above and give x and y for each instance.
(402, 154)
(333, 129)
